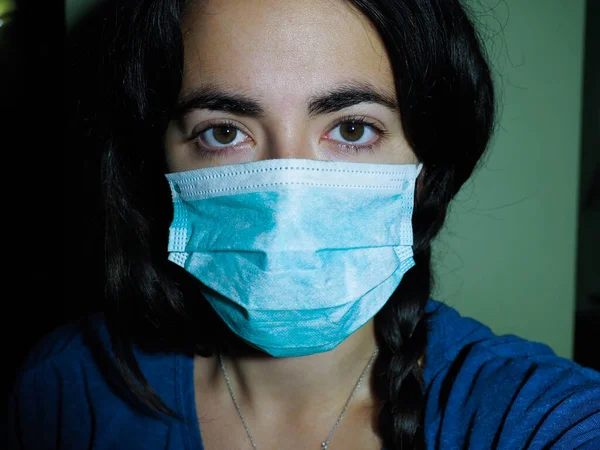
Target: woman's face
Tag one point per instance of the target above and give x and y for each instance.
(266, 79)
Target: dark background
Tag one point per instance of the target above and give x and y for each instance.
(38, 243)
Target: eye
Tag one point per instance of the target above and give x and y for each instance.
(220, 135)
(356, 133)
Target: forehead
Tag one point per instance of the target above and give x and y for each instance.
(282, 50)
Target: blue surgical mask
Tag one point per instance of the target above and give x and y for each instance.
(295, 254)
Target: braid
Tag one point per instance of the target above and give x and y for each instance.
(401, 325)
(402, 337)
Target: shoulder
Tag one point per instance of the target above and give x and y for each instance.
(51, 387)
(504, 391)
(66, 345)
(68, 378)
(452, 335)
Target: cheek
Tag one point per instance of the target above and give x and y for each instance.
(175, 157)
(396, 151)
(172, 165)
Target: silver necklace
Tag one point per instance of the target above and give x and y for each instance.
(325, 444)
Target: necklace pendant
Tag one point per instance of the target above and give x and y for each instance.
(324, 446)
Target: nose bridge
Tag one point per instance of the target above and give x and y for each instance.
(289, 137)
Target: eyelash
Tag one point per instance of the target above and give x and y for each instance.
(224, 151)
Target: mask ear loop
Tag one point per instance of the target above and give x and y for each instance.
(419, 167)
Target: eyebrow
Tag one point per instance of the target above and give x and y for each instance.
(348, 94)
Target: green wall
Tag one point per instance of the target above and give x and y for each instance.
(507, 256)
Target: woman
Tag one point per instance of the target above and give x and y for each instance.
(273, 289)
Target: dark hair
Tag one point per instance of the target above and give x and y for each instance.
(446, 99)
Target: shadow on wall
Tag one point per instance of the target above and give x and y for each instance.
(48, 74)
(86, 51)
(587, 325)
(33, 126)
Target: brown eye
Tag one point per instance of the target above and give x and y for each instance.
(224, 134)
(352, 131)
(220, 135)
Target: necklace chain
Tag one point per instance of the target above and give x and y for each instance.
(325, 444)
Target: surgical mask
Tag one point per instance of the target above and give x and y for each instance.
(294, 254)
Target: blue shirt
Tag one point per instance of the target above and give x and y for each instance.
(483, 391)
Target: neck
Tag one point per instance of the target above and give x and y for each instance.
(267, 385)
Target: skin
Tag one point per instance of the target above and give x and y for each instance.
(282, 54)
